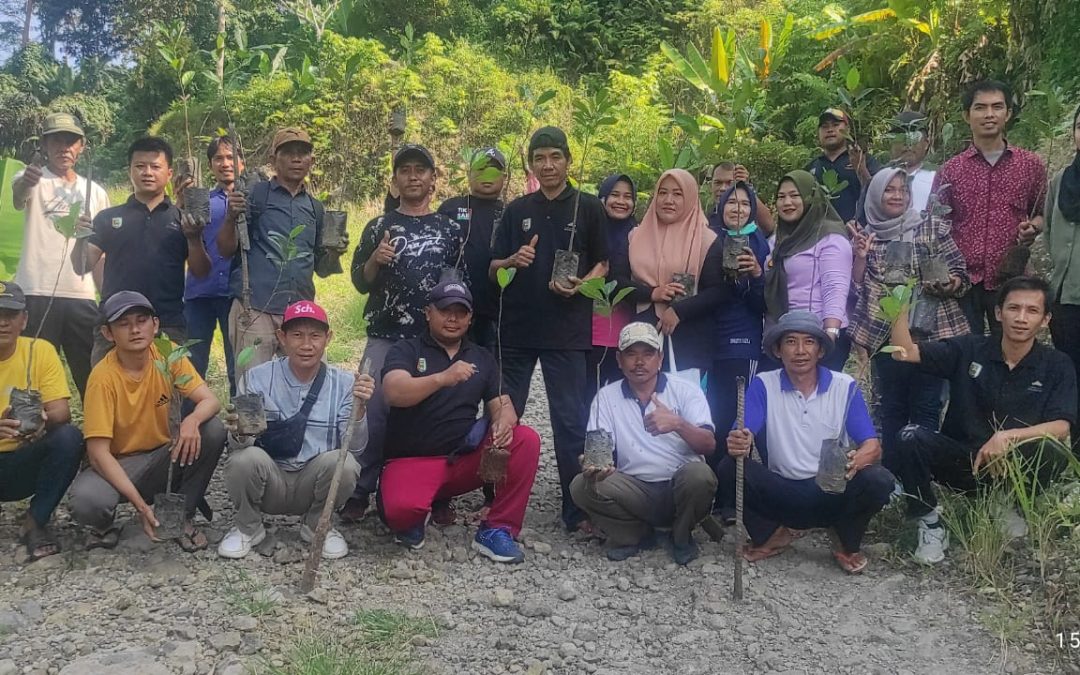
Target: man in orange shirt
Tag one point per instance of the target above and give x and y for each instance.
(126, 424)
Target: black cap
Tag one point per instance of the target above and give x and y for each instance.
(549, 137)
(494, 156)
(122, 302)
(11, 296)
(909, 120)
(450, 292)
(835, 114)
(413, 152)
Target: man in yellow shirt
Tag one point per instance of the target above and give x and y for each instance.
(126, 424)
(37, 463)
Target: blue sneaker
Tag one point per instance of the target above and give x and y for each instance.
(497, 544)
(412, 538)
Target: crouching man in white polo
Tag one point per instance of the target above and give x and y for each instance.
(288, 468)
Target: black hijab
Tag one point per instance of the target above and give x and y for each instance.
(1069, 190)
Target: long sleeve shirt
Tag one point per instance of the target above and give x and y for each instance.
(819, 278)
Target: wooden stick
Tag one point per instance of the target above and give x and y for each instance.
(311, 568)
(740, 527)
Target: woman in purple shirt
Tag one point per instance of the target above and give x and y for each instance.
(810, 267)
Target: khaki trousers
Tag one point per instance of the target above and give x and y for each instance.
(260, 334)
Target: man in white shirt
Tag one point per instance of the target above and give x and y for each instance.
(47, 194)
(910, 146)
(662, 428)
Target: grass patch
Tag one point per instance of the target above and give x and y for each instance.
(248, 595)
(325, 655)
(384, 628)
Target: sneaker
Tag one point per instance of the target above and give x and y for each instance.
(620, 553)
(334, 546)
(354, 510)
(497, 544)
(1012, 524)
(933, 542)
(236, 544)
(443, 513)
(682, 554)
(411, 538)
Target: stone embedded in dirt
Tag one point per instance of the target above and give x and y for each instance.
(11, 622)
(567, 592)
(245, 623)
(131, 662)
(502, 597)
(623, 584)
(534, 609)
(542, 548)
(225, 640)
(288, 555)
(8, 667)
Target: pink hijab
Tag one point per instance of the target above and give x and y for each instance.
(657, 251)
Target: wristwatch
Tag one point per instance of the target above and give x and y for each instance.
(834, 333)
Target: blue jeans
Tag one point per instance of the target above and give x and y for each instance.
(203, 315)
(907, 396)
(42, 470)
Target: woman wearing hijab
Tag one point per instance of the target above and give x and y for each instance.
(1062, 232)
(907, 396)
(619, 196)
(674, 238)
(738, 323)
(810, 268)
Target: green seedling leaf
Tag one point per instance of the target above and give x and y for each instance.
(489, 174)
(544, 98)
(65, 225)
(296, 231)
(183, 380)
(852, 79)
(504, 275)
(245, 356)
(621, 295)
(164, 345)
(163, 368)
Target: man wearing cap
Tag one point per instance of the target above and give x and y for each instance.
(477, 213)
(434, 442)
(145, 243)
(305, 401)
(910, 145)
(274, 209)
(842, 155)
(127, 427)
(545, 321)
(790, 413)
(662, 430)
(47, 194)
(34, 463)
(401, 256)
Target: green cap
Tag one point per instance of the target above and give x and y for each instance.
(61, 122)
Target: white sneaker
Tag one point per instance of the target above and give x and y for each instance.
(334, 546)
(933, 542)
(1012, 524)
(236, 544)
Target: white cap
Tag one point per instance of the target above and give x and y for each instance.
(639, 331)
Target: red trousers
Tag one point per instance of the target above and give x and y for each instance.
(410, 484)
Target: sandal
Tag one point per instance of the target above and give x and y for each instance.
(40, 543)
(778, 542)
(852, 563)
(192, 540)
(107, 539)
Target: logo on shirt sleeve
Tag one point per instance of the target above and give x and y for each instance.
(117, 223)
(974, 369)
(526, 224)
(421, 365)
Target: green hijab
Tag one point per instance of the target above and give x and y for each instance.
(818, 221)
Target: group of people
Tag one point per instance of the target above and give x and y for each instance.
(777, 299)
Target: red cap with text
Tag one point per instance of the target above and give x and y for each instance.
(305, 309)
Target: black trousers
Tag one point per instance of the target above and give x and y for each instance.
(1065, 330)
(770, 500)
(906, 396)
(609, 370)
(70, 327)
(42, 470)
(564, 379)
(978, 306)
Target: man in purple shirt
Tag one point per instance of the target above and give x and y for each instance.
(207, 301)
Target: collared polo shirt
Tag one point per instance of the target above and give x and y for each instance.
(985, 395)
(477, 217)
(795, 425)
(273, 289)
(847, 203)
(145, 251)
(534, 316)
(437, 425)
(216, 284)
(283, 396)
(638, 453)
(988, 202)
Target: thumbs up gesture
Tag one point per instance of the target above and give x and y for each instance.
(661, 419)
(526, 254)
(385, 251)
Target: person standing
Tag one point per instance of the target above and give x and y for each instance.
(477, 213)
(724, 177)
(46, 194)
(207, 301)
(144, 244)
(547, 321)
(910, 145)
(844, 157)
(401, 257)
(274, 209)
(996, 191)
(1062, 221)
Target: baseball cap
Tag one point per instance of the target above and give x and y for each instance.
(413, 151)
(12, 296)
(549, 137)
(61, 122)
(289, 135)
(305, 309)
(639, 331)
(450, 292)
(122, 302)
(834, 114)
(494, 155)
(906, 121)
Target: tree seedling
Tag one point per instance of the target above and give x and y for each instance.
(494, 461)
(169, 506)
